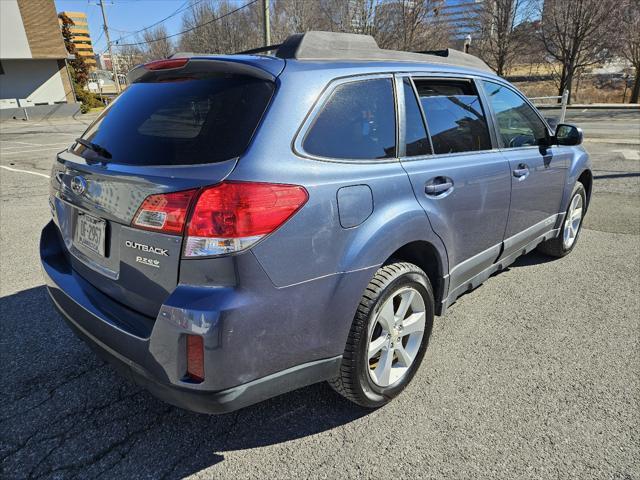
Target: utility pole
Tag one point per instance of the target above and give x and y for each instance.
(114, 68)
(267, 27)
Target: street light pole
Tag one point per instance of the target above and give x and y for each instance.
(114, 69)
(467, 43)
(267, 26)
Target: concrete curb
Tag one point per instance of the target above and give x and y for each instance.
(594, 106)
(41, 112)
(613, 141)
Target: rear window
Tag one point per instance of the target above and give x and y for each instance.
(358, 121)
(185, 122)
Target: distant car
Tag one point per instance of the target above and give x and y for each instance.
(235, 227)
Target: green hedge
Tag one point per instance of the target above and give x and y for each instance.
(89, 100)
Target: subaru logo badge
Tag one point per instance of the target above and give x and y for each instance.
(78, 185)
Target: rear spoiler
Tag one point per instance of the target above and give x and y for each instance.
(196, 65)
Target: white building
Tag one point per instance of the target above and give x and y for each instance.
(32, 55)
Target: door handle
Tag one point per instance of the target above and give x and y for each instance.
(521, 172)
(438, 185)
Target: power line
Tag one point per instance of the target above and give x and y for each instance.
(189, 29)
(183, 7)
(99, 38)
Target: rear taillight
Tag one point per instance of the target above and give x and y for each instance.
(226, 218)
(195, 358)
(232, 216)
(166, 213)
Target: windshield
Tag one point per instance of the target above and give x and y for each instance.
(181, 122)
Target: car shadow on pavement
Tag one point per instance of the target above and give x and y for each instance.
(66, 412)
(532, 258)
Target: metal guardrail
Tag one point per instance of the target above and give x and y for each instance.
(563, 104)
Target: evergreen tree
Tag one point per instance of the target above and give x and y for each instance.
(78, 68)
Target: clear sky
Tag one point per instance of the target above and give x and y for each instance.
(124, 16)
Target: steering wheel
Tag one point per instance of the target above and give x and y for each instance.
(522, 140)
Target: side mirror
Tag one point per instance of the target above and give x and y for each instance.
(568, 134)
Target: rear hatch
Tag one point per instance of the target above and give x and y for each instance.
(181, 125)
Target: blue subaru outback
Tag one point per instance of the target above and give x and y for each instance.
(235, 227)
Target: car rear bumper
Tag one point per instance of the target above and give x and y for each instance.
(223, 401)
(151, 352)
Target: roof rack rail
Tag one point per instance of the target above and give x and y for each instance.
(317, 45)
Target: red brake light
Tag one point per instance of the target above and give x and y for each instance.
(166, 64)
(232, 216)
(195, 358)
(166, 213)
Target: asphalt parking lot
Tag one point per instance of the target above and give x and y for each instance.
(535, 374)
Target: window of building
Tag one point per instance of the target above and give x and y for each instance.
(356, 122)
(454, 115)
(416, 139)
(518, 123)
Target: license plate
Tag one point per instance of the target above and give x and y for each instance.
(90, 233)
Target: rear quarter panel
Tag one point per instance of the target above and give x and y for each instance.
(313, 243)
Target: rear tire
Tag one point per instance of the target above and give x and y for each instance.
(388, 337)
(564, 243)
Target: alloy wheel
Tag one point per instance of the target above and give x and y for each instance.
(395, 336)
(572, 222)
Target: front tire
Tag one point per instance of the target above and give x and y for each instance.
(388, 337)
(564, 243)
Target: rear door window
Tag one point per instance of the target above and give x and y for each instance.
(358, 121)
(416, 139)
(454, 114)
(180, 122)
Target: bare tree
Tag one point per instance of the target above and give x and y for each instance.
(353, 16)
(129, 57)
(501, 41)
(221, 27)
(531, 51)
(296, 16)
(630, 41)
(577, 34)
(155, 44)
(224, 26)
(410, 25)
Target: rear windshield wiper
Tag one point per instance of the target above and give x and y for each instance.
(103, 152)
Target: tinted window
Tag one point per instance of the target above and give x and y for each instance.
(181, 122)
(416, 140)
(357, 121)
(454, 116)
(518, 123)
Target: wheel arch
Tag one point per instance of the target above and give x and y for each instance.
(579, 171)
(426, 256)
(586, 178)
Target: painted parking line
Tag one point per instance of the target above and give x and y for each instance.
(24, 171)
(31, 151)
(14, 147)
(629, 154)
(23, 143)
